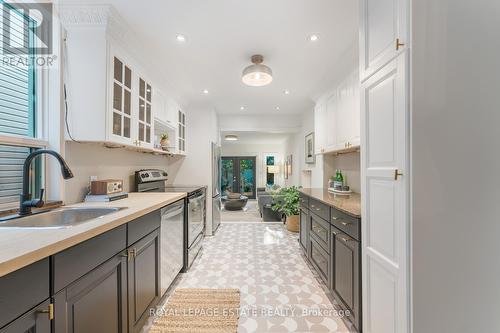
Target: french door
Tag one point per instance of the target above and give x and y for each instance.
(238, 175)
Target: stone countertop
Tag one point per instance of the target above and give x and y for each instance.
(349, 204)
(22, 247)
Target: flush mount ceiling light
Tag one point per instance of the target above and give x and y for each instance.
(257, 75)
(242, 108)
(231, 137)
(313, 38)
(205, 91)
(277, 108)
(286, 92)
(180, 38)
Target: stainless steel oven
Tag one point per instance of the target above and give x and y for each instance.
(196, 197)
(196, 214)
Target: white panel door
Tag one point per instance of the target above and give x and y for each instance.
(385, 227)
(382, 24)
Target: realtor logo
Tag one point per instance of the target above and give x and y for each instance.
(27, 28)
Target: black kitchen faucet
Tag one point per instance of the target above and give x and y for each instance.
(26, 202)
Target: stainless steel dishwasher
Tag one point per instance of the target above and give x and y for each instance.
(171, 243)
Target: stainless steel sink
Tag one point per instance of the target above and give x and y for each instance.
(57, 218)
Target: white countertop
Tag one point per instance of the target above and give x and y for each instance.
(21, 247)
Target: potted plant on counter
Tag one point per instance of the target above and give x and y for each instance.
(164, 142)
(287, 203)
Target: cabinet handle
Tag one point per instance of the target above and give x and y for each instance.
(346, 239)
(345, 224)
(334, 218)
(49, 311)
(397, 173)
(399, 44)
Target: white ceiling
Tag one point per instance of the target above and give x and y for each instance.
(223, 34)
(258, 138)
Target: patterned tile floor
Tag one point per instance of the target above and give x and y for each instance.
(279, 291)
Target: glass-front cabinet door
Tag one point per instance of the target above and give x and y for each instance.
(181, 132)
(122, 106)
(145, 118)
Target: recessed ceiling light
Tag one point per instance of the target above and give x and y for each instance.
(277, 108)
(286, 92)
(180, 38)
(231, 137)
(242, 108)
(313, 38)
(205, 91)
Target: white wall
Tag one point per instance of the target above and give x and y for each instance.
(307, 175)
(86, 159)
(196, 167)
(264, 123)
(260, 151)
(455, 166)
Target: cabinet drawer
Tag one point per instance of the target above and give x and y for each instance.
(142, 226)
(319, 209)
(320, 260)
(80, 259)
(23, 289)
(320, 229)
(304, 201)
(348, 224)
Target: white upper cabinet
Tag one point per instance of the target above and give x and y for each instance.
(383, 33)
(320, 128)
(130, 104)
(145, 117)
(337, 118)
(112, 95)
(120, 110)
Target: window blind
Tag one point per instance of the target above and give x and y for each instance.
(16, 81)
(11, 168)
(17, 106)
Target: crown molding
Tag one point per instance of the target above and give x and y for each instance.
(85, 15)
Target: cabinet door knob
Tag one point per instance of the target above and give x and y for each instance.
(397, 173)
(399, 44)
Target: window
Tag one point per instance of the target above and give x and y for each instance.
(18, 116)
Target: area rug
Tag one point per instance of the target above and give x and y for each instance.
(199, 311)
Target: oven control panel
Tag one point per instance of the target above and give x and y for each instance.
(150, 175)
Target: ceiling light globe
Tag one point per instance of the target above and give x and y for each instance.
(257, 75)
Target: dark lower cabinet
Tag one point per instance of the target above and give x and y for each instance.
(97, 302)
(320, 259)
(143, 279)
(346, 276)
(304, 229)
(35, 321)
